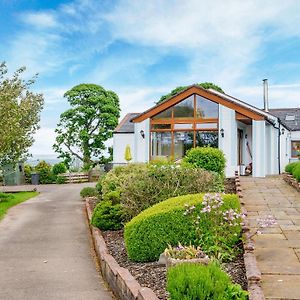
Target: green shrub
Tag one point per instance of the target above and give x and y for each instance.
(211, 159)
(88, 192)
(155, 184)
(27, 171)
(60, 180)
(107, 216)
(113, 196)
(148, 234)
(45, 171)
(59, 168)
(196, 281)
(4, 197)
(296, 172)
(290, 167)
(99, 184)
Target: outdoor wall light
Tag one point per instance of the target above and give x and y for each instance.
(142, 132)
(246, 136)
(282, 131)
(222, 132)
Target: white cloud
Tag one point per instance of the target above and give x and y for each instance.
(40, 19)
(44, 139)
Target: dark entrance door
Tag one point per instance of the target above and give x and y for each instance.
(240, 135)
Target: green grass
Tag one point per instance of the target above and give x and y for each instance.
(14, 199)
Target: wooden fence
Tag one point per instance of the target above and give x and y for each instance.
(75, 177)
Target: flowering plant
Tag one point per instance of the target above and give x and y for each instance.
(217, 225)
(184, 252)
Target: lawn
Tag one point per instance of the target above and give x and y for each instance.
(13, 200)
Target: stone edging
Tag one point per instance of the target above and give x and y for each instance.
(291, 180)
(119, 279)
(253, 273)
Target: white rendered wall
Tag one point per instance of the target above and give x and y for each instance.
(228, 143)
(141, 145)
(271, 144)
(120, 141)
(259, 148)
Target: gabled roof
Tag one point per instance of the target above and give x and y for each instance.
(126, 126)
(224, 99)
(290, 122)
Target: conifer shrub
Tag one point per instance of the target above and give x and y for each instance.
(289, 168)
(296, 172)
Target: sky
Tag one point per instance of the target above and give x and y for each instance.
(143, 49)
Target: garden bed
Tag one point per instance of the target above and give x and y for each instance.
(153, 275)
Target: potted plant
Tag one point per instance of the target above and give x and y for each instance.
(184, 254)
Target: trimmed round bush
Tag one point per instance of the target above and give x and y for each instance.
(208, 158)
(296, 172)
(290, 167)
(59, 168)
(107, 216)
(148, 234)
(88, 192)
(196, 281)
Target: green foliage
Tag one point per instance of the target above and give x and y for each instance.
(59, 168)
(45, 171)
(88, 124)
(290, 167)
(20, 114)
(296, 172)
(60, 180)
(148, 234)
(196, 281)
(208, 158)
(205, 85)
(107, 216)
(99, 184)
(4, 197)
(113, 196)
(88, 192)
(27, 171)
(155, 184)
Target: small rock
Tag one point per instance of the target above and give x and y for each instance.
(162, 259)
(45, 261)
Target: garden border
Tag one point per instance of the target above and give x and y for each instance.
(253, 273)
(119, 279)
(291, 180)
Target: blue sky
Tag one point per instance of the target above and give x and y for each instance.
(143, 49)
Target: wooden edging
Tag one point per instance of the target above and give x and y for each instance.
(253, 273)
(291, 180)
(119, 279)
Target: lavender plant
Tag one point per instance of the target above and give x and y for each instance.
(184, 252)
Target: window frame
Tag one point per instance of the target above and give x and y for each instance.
(294, 141)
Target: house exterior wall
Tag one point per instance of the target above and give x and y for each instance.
(141, 145)
(259, 148)
(271, 146)
(120, 141)
(228, 143)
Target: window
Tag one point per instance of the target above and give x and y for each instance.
(206, 109)
(185, 108)
(183, 141)
(161, 126)
(166, 114)
(161, 144)
(295, 148)
(207, 138)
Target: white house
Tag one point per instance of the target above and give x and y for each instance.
(264, 140)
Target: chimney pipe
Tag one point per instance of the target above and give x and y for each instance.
(266, 97)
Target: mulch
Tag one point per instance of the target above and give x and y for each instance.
(152, 274)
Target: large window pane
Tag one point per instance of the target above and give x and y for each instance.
(161, 126)
(166, 114)
(207, 138)
(206, 108)
(161, 144)
(207, 126)
(183, 141)
(295, 148)
(185, 109)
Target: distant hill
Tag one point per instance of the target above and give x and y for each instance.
(50, 159)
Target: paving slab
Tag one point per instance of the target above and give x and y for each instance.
(46, 251)
(277, 250)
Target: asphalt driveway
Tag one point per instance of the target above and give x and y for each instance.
(45, 249)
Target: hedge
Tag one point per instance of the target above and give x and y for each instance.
(290, 167)
(149, 233)
(296, 172)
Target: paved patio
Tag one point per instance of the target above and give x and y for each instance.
(278, 247)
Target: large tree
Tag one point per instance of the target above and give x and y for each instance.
(84, 128)
(205, 85)
(19, 114)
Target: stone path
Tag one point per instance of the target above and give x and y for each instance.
(45, 249)
(278, 248)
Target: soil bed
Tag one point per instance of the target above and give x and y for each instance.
(153, 275)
